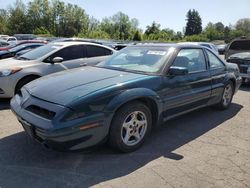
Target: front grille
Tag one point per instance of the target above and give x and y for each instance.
(242, 64)
(41, 112)
(243, 69)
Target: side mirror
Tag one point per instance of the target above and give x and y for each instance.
(177, 71)
(57, 60)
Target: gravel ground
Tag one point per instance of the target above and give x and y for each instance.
(205, 148)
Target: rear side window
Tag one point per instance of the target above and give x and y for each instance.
(215, 63)
(192, 59)
(240, 45)
(95, 51)
(69, 53)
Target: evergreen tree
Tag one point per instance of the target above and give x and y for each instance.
(137, 36)
(153, 29)
(194, 23)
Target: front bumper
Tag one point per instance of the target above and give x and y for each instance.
(244, 70)
(63, 136)
(7, 87)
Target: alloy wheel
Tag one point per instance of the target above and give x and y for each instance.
(227, 95)
(134, 128)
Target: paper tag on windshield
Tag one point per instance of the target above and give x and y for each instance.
(157, 52)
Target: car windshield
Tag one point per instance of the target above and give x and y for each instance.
(140, 59)
(39, 52)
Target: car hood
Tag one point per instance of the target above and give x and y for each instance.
(69, 86)
(243, 55)
(12, 63)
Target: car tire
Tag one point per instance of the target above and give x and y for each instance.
(23, 82)
(227, 97)
(130, 127)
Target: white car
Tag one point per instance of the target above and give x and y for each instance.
(51, 58)
(10, 39)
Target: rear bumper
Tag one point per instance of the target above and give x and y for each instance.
(62, 136)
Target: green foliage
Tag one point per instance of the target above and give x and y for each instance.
(213, 31)
(219, 27)
(194, 23)
(243, 25)
(154, 29)
(18, 20)
(119, 26)
(196, 38)
(41, 31)
(95, 34)
(3, 21)
(137, 36)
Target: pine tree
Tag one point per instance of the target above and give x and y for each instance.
(137, 36)
(194, 23)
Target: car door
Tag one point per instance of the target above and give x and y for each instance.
(97, 54)
(187, 92)
(218, 75)
(73, 57)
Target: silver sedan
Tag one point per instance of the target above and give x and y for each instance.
(51, 58)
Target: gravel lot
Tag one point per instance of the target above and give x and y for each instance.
(206, 148)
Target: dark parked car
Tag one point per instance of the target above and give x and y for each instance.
(243, 62)
(122, 98)
(238, 45)
(13, 51)
(5, 48)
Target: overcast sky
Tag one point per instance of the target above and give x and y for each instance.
(169, 13)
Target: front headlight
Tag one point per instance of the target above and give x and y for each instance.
(7, 72)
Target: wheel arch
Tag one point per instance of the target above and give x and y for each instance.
(145, 96)
(31, 76)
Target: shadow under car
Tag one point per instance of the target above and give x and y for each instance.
(24, 162)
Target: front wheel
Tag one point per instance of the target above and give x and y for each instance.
(227, 96)
(130, 127)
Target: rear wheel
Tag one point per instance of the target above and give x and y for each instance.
(227, 97)
(130, 127)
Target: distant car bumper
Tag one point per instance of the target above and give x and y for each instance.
(244, 71)
(69, 136)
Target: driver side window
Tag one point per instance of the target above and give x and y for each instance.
(191, 59)
(68, 53)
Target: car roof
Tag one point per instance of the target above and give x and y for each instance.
(168, 45)
(70, 43)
